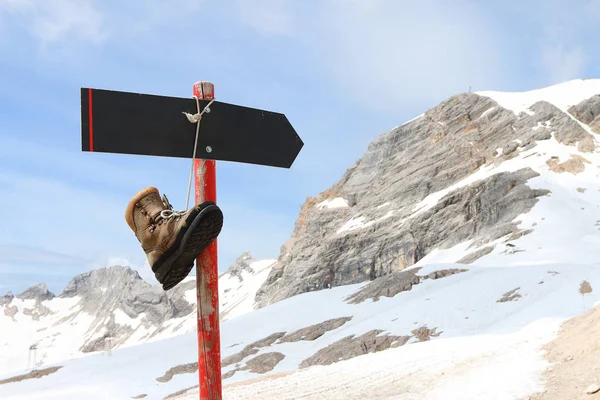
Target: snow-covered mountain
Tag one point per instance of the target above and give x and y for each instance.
(238, 286)
(463, 182)
(108, 308)
(437, 268)
(433, 333)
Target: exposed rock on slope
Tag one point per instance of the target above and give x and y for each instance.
(314, 332)
(238, 286)
(588, 112)
(351, 346)
(386, 227)
(387, 286)
(416, 190)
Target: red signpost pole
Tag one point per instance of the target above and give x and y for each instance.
(207, 279)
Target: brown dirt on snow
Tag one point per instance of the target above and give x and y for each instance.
(574, 356)
(574, 165)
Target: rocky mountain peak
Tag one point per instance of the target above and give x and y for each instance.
(101, 279)
(241, 264)
(38, 292)
(427, 185)
(6, 298)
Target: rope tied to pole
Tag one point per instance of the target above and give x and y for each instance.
(195, 119)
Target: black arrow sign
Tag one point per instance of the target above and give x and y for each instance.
(131, 123)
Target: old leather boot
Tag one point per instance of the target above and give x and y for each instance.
(171, 239)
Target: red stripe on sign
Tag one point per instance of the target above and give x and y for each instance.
(91, 121)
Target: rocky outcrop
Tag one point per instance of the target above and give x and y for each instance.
(396, 282)
(121, 288)
(424, 334)
(180, 369)
(404, 197)
(351, 346)
(442, 273)
(588, 112)
(241, 264)
(511, 295)
(35, 374)
(38, 292)
(11, 311)
(585, 288)
(40, 310)
(387, 286)
(263, 363)
(251, 349)
(314, 332)
(6, 299)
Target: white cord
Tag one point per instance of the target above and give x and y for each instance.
(195, 119)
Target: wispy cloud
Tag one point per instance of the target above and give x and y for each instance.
(561, 63)
(58, 20)
(387, 54)
(22, 253)
(22, 266)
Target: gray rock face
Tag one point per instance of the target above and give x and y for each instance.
(396, 282)
(251, 349)
(101, 294)
(94, 281)
(387, 286)
(512, 295)
(476, 255)
(588, 112)
(105, 290)
(242, 263)
(6, 299)
(38, 292)
(123, 288)
(314, 332)
(180, 369)
(263, 363)
(351, 346)
(442, 273)
(383, 230)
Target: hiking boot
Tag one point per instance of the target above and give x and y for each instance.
(171, 239)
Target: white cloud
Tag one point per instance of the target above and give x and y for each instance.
(561, 64)
(26, 254)
(53, 215)
(267, 17)
(387, 54)
(57, 21)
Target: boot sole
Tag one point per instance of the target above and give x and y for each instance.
(203, 230)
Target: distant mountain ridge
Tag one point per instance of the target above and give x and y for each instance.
(108, 308)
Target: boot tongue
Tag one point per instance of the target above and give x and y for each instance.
(153, 205)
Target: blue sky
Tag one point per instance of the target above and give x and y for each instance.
(342, 71)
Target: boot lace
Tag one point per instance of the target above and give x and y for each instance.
(169, 213)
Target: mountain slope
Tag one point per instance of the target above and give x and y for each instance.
(480, 174)
(238, 286)
(109, 308)
(466, 335)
